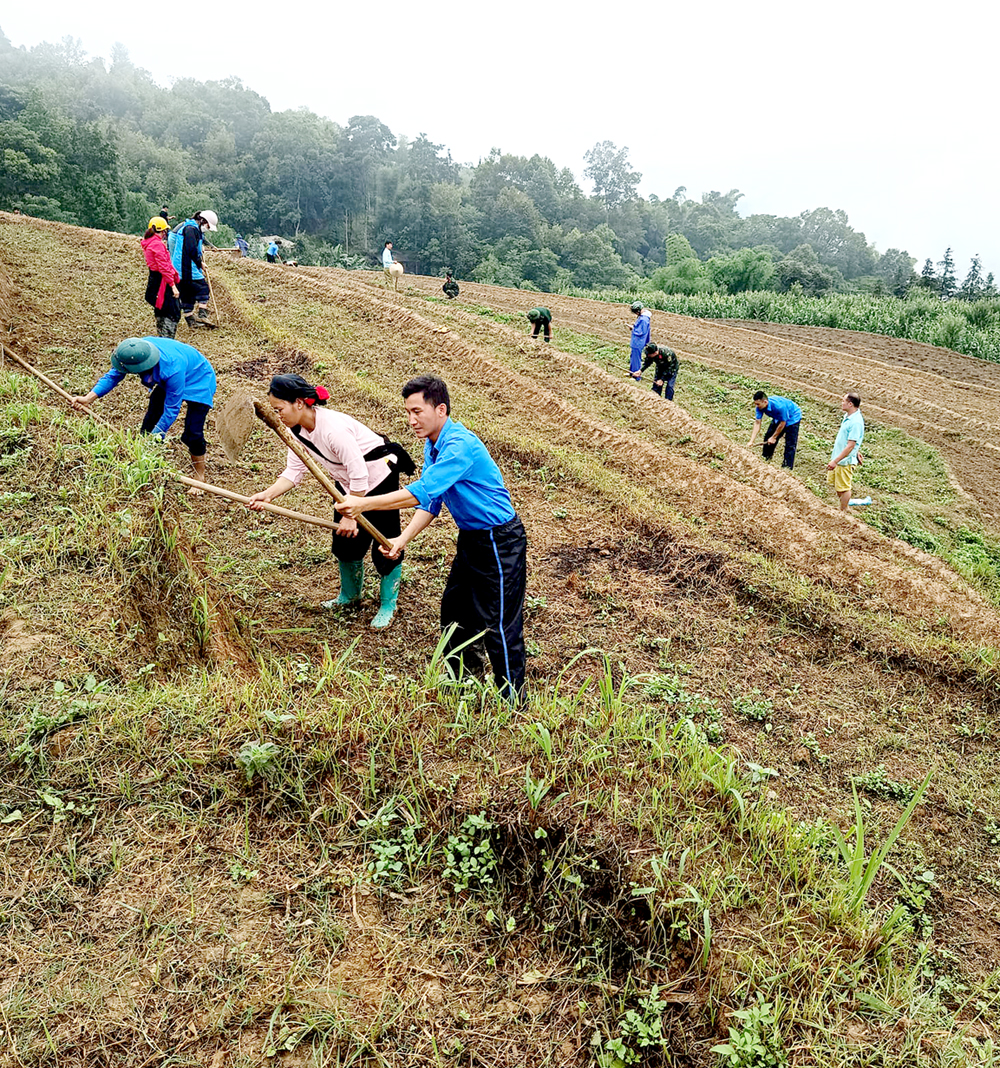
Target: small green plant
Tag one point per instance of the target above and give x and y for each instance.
(878, 783)
(861, 874)
(258, 758)
(640, 1029)
(755, 707)
(755, 1043)
(395, 854)
(469, 860)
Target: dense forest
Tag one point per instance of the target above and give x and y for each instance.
(103, 145)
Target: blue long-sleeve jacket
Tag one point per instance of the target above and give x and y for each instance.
(182, 371)
(641, 332)
(459, 472)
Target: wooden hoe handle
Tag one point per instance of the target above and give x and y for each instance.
(266, 415)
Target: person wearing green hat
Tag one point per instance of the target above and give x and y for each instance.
(174, 374)
(541, 320)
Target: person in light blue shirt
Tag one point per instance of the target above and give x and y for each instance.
(484, 595)
(174, 374)
(640, 337)
(785, 416)
(272, 255)
(846, 454)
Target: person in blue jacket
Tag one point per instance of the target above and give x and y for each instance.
(273, 255)
(174, 374)
(186, 244)
(640, 337)
(786, 417)
(484, 595)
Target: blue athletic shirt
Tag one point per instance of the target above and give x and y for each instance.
(852, 428)
(459, 472)
(182, 369)
(781, 410)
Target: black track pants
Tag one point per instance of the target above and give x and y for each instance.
(485, 591)
(386, 523)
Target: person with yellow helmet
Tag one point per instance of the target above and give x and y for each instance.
(161, 287)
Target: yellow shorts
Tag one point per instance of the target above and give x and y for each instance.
(841, 477)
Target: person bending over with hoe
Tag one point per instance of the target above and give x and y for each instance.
(174, 374)
(485, 588)
(359, 459)
(667, 365)
(541, 319)
(640, 337)
(450, 286)
(786, 417)
(161, 287)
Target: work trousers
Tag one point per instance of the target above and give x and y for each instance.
(195, 415)
(485, 592)
(542, 324)
(386, 523)
(669, 383)
(791, 436)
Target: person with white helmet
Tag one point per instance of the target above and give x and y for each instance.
(186, 245)
(174, 374)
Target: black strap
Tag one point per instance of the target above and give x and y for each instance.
(404, 462)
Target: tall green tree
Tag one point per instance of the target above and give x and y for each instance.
(611, 173)
(947, 284)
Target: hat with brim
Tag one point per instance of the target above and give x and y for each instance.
(135, 355)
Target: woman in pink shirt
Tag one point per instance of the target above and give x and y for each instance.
(161, 287)
(362, 462)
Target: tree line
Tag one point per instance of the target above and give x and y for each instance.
(102, 145)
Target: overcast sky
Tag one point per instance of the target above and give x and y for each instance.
(879, 107)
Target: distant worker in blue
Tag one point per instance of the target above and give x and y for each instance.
(485, 588)
(666, 365)
(846, 453)
(273, 255)
(175, 374)
(186, 245)
(640, 337)
(241, 244)
(785, 416)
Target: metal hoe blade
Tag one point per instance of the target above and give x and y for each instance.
(235, 423)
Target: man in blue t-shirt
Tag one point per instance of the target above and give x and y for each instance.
(485, 588)
(846, 449)
(785, 416)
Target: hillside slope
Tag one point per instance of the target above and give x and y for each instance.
(688, 594)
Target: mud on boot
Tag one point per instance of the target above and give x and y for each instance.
(388, 595)
(352, 575)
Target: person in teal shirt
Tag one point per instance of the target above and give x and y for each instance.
(846, 453)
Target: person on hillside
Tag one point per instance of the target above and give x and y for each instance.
(175, 374)
(387, 260)
(485, 588)
(640, 337)
(362, 462)
(241, 244)
(273, 255)
(165, 214)
(450, 286)
(161, 287)
(541, 320)
(186, 246)
(846, 449)
(786, 417)
(667, 365)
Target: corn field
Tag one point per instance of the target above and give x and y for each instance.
(972, 328)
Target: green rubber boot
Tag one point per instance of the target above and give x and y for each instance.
(388, 595)
(352, 575)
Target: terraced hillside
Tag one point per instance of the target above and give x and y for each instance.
(718, 659)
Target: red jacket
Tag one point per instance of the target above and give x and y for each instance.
(158, 261)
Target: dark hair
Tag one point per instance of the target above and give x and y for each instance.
(295, 387)
(651, 348)
(387, 244)
(434, 390)
(760, 395)
(153, 230)
(854, 399)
